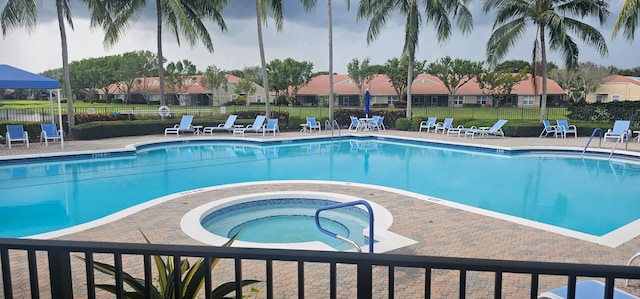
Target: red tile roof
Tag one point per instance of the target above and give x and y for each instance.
(623, 79)
(153, 84)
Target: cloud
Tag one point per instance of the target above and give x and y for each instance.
(304, 38)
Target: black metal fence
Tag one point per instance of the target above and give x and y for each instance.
(26, 264)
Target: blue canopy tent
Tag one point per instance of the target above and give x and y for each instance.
(14, 78)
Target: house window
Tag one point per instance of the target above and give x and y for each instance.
(482, 100)
(601, 98)
(615, 97)
(458, 100)
(234, 97)
(259, 98)
(391, 99)
(527, 100)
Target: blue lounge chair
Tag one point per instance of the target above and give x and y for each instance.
(355, 123)
(495, 130)
(377, 123)
(184, 126)
(620, 129)
(428, 124)
(587, 289)
(312, 123)
(272, 126)
(227, 126)
(564, 128)
(548, 129)
(257, 126)
(50, 132)
(16, 133)
(444, 126)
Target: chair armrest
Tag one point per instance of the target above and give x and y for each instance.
(573, 126)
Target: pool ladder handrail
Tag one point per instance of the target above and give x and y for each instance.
(623, 136)
(341, 238)
(590, 138)
(333, 125)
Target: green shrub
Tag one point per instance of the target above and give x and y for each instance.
(402, 124)
(295, 122)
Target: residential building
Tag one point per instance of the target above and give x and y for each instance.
(616, 88)
(427, 91)
(189, 93)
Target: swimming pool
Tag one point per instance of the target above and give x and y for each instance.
(591, 195)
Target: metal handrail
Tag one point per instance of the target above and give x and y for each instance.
(589, 141)
(333, 125)
(623, 136)
(342, 205)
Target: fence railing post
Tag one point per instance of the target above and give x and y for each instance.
(60, 274)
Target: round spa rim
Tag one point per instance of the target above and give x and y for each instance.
(192, 226)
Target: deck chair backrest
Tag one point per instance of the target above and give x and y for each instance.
(620, 126)
(185, 123)
(311, 120)
(230, 121)
(431, 121)
(447, 122)
(259, 121)
(354, 120)
(272, 123)
(563, 125)
(15, 131)
(547, 126)
(497, 125)
(50, 130)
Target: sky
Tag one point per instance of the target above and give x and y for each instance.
(304, 38)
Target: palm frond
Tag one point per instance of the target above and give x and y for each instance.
(18, 13)
(590, 35)
(627, 19)
(503, 38)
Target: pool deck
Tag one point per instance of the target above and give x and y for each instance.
(440, 230)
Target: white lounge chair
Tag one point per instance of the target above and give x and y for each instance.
(312, 123)
(586, 289)
(620, 129)
(184, 126)
(50, 132)
(548, 129)
(227, 126)
(495, 130)
(564, 128)
(272, 126)
(16, 133)
(428, 124)
(257, 126)
(444, 126)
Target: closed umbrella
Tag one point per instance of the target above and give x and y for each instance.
(367, 99)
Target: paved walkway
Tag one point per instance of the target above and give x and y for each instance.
(439, 230)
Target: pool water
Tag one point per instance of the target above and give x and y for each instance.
(588, 195)
(288, 220)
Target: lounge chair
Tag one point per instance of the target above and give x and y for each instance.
(495, 130)
(444, 126)
(377, 123)
(227, 126)
(548, 129)
(584, 290)
(184, 126)
(428, 124)
(50, 132)
(620, 129)
(635, 256)
(272, 126)
(355, 124)
(312, 123)
(564, 128)
(257, 126)
(460, 129)
(16, 133)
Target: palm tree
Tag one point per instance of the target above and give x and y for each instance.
(628, 17)
(552, 19)
(25, 13)
(275, 6)
(437, 12)
(183, 17)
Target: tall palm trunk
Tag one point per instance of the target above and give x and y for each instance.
(409, 83)
(65, 66)
(265, 79)
(160, 58)
(543, 56)
(330, 61)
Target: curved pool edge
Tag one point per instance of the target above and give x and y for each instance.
(191, 222)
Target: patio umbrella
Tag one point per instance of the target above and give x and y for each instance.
(367, 99)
